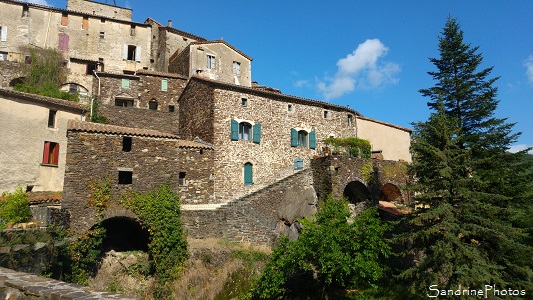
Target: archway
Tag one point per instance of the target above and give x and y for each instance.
(124, 234)
(16, 81)
(357, 192)
(391, 193)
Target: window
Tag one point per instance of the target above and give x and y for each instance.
(131, 52)
(236, 68)
(303, 139)
(124, 102)
(164, 85)
(248, 174)
(244, 102)
(85, 23)
(210, 61)
(326, 114)
(64, 19)
(63, 41)
(125, 83)
(298, 163)
(3, 33)
(152, 105)
(102, 20)
(25, 10)
(245, 131)
(3, 56)
(73, 88)
(52, 118)
(289, 108)
(50, 153)
(125, 177)
(91, 66)
(126, 144)
(171, 108)
(102, 34)
(349, 120)
(27, 59)
(132, 29)
(181, 178)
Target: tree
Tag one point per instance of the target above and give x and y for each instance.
(466, 181)
(330, 250)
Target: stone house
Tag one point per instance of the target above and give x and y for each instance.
(215, 60)
(131, 159)
(34, 142)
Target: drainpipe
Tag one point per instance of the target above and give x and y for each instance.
(356, 126)
(92, 98)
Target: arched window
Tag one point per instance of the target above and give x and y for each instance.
(302, 139)
(248, 174)
(245, 131)
(152, 105)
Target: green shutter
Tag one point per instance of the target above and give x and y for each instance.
(248, 174)
(234, 130)
(125, 83)
(312, 139)
(164, 85)
(257, 133)
(294, 137)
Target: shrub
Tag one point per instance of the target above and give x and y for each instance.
(14, 207)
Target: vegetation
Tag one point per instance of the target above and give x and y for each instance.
(468, 186)
(45, 75)
(14, 208)
(352, 146)
(96, 117)
(330, 252)
(159, 212)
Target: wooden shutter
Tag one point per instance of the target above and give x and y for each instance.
(312, 139)
(234, 130)
(257, 133)
(85, 23)
(125, 83)
(248, 174)
(63, 41)
(294, 137)
(56, 153)
(3, 33)
(138, 53)
(46, 152)
(64, 20)
(125, 52)
(164, 85)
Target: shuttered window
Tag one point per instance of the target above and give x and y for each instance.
(85, 23)
(312, 140)
(125, 83)
(294, 137)
(234, 130)
(63, 41)
(164, 85)
(248, 174)
(257, 133)
(51, 153)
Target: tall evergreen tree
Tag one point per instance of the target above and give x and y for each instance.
(466, 181)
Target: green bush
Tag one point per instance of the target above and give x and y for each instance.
(14, 207)
(351, 146)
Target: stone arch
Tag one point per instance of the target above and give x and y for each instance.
(391, 193)
(356, 191)
(16, 81)
(124, 234)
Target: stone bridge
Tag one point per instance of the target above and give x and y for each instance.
(361, 179)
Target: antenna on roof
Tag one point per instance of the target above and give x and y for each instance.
(114, 2)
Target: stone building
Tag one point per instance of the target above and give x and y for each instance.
(34, 143)
(131, 159)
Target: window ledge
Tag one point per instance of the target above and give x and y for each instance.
(49, 165)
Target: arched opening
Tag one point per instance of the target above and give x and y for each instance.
(152, 105)
(357, 192)
(16, 81)
(303, 139)
(248, 174)
(124, 234)
(390, 193)
(245, 131)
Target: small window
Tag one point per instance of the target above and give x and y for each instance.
(102, 34)
(350, 120)
(244, 102)
(125, 83)
(248, 174)
(171, 108)
(132, 52)
(245, 131)
(64, 19)
(51, 153)
(298, 163)
(152, 105)
(302, 139)
(290, 108)
(126, 144)
(52, 118)
(132, 30)
(181, 178)
(3, 56)
(3, 33)
(236, 68)
(25, 10)
(210, 61)
(102, 20)
(91, 66)
(326, 114)
(124, 102)
(164, 85)
(85, 23)
(28, 59)
(125, 177)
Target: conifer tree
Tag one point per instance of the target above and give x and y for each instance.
(466, 181)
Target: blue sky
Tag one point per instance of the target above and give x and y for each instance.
(370, 55)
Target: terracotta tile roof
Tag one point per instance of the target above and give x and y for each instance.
(225, 43)
(386, 124)
(119, 130)
(183, 33)
(43, 99)
(391, 208)
(36, 198)
(161, 74)
(288, 98)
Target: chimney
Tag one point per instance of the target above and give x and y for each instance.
(170, 23)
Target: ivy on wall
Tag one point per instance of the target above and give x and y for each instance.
(350, 146)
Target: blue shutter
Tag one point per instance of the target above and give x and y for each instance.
(248, 174)
(294, 137)
(234, 130)
(312, 139)
(257, 133)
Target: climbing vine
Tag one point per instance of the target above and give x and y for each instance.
(351, 146)
(159, 212)
(367, 172)
(100, 195)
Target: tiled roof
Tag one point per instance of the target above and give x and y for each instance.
(43, 99)
(225, 43)
(119, 130)
(183, 33)
(386, 124)
(36, 198)
(161, 74)
(289, 98)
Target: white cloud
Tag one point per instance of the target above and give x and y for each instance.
(301, 83)
(40, 2)
(529, 68)
(361, 69)
(520, 147)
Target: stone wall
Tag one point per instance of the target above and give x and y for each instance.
(181, 63)
(9, 70)
(259, 217)
(151, 161)
(163, 121)
(196, 112)
(101, 9)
